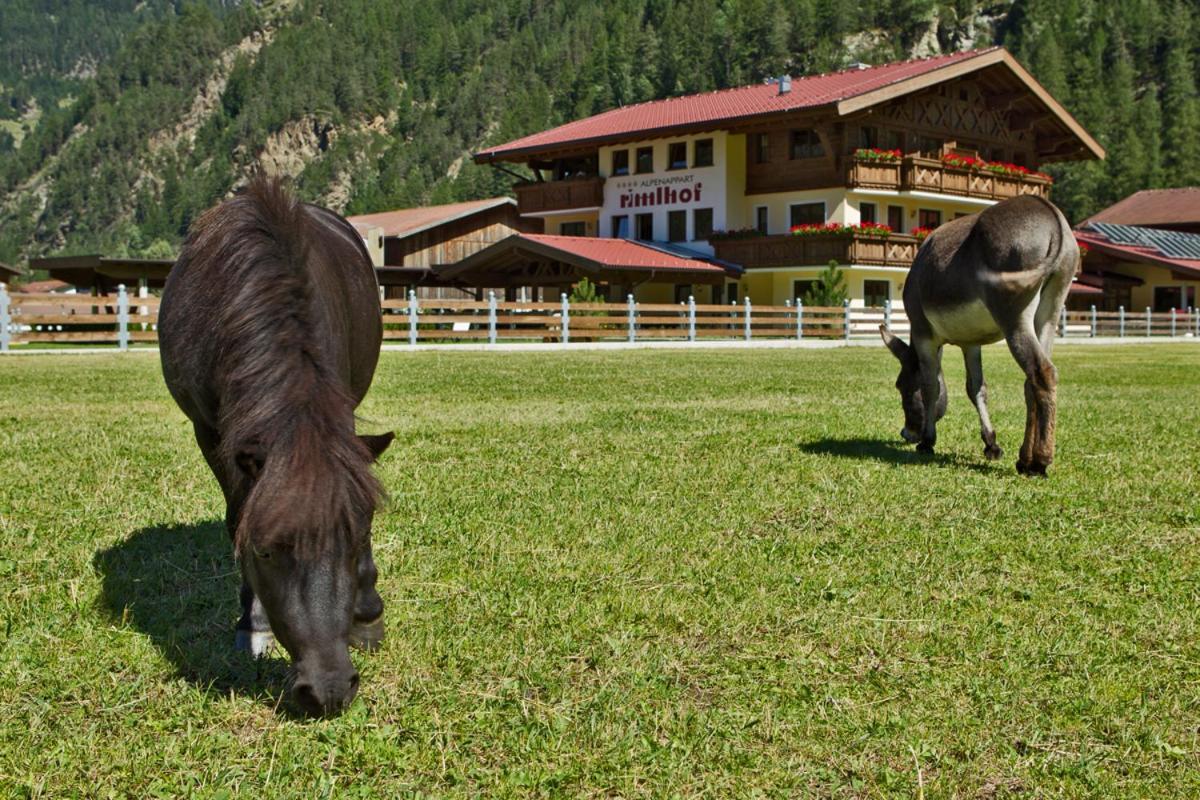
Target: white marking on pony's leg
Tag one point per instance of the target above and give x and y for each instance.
(258, 643)
(977, 391)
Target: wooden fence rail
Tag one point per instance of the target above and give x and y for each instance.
(120, 319)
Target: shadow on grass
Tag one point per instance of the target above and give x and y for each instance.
(179, 586)
(893, 452)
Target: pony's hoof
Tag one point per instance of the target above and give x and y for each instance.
(925, 447)
(993, 453)
(367, 635)
(1032, 469)
(257, 643)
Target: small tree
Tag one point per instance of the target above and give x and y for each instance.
(585, 292)
(830, 288)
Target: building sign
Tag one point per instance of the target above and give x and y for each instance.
(649, 192)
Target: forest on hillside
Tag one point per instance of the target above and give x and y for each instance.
(376, 104)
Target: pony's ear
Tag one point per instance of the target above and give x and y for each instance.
(377, 443)
(250, 460)
(899, 348)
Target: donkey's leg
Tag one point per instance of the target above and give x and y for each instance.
(253, 631)
(1041, 381)
(930, 357)
(367, 631)
(977, 391)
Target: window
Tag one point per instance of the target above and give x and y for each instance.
(702, 223)
(645, 159)
(876, 293)
(761, 219)
(645, 226)
(807, 214)
(868, 212)
(682, 292)
(1168, 297)
(927, 218)
(620, 162)
(891, 139)
(800, 288)
(676, 226)
(929, 146)
(868, 136)
(806, 144)
(572, 229)
(762, 148)
(677, 155)
(703, 154)
(733, 289)
(620, 227)
(896, 218)
(718, 295)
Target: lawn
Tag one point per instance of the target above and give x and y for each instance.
(648, 573)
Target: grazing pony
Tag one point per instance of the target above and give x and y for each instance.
(1000, 274)
(270, 331)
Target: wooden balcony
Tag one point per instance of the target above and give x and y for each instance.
(915, 173)
(534, 198)
(898, 250)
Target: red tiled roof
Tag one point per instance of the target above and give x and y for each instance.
(1152, 207)
(731, 104)
(407, 221)
(1147, 255)
(620, 253)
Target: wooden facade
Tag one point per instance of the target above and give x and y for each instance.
(453, 241)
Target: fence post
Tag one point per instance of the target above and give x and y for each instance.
(122, 317)
(887, 313)
(412, 316)
(1173, 310)
(1093, 331)
(846, 320)
(1147, 320)
(566, 319)
(691, 318)
(1197, 312)
(747, 321)
(1121, 317)
(5, 319)
(631, 318)
(1062, 321)
(799, 319)
(492, 317)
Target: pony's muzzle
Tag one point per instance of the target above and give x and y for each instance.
(325, 694)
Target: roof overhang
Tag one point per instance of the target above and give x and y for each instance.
(1138, 255)
(521, 261)
(985, 60)
(362, 224)
(93, 270)
(995, 58)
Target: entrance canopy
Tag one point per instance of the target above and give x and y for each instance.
(528, 259)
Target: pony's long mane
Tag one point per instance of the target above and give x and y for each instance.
(283, 408)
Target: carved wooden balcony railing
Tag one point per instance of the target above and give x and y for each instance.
(898, 250)
(915, 173)
(560, 195)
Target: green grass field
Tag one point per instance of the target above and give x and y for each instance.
(651, 573)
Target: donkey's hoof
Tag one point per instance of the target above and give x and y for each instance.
(367, 635)
(1032, 469)
(993, 453)
(257, 643)
(925, 447)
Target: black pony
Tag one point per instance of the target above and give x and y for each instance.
(270, 331)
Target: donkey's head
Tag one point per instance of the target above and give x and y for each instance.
(304, 544)
(909, 385)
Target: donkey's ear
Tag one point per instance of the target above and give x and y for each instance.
(377, 443)
(250, 460)
(899, 348)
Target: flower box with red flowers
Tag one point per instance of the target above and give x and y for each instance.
(877, 155)
(873, 230)
(920, 234)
